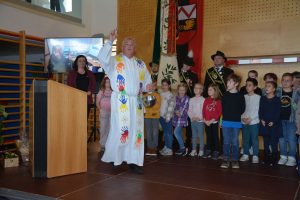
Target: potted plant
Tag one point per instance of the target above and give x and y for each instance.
(7, 159)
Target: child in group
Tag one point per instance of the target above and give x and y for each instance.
(296, 80)
(233, 106)
(270, 124)
(195, 114)
(243, 90)
(104, 106)
(251, 74)
(212, 110)
(250, 121)
(289, 99)
(268, 77)
(166, 113)
(180, 118)
(152, 115)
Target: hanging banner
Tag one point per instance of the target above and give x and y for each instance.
(168, 65)
(190, 32)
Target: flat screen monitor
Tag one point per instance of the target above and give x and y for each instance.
(60, 53)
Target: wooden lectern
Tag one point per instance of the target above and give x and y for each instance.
(58, 129)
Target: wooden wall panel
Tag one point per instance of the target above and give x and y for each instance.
(242, 28)
(137, 19)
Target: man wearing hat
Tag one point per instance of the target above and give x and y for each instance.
(217, 74)
(154, 70)
(187, 76)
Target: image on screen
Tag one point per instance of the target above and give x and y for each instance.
(60, 53)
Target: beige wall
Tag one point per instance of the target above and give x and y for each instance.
(97, 17)
(243, 28)
(103, 16)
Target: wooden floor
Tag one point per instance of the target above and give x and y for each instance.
(165, 178)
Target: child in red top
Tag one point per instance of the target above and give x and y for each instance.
(212, 110)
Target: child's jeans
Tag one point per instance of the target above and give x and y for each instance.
(270, 139)
(152, 132)
(230, 139)
(198, 131)
(212, 137)
(167, 129)
(289, 139)
(178, 135)
(250, 136)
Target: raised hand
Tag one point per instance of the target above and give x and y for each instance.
(113, 35)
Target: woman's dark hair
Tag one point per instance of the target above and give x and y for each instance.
(102, 86)
(75, 66)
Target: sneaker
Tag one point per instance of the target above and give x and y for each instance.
(207, 154)
(163, 150)
(193, 153)
(291, 162)
(283, 160)
(225, 165)
(251, 151)
(186, 152)
(201, 153)
(255, 159)
(180, 152)
(242, 151)
(235, 165)
(167, 152)
(215, 155)
(244, 158)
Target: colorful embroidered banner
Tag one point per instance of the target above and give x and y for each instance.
(190, 31)
(168, 65)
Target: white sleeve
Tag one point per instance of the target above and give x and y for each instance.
(254, 109)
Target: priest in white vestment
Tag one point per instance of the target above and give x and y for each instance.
(129, 77)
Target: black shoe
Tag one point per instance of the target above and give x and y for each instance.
(273, 159)
(181, 152)
(215, 155)
(266, 159)
(136, 169)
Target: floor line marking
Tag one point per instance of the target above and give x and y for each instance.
(193, 188)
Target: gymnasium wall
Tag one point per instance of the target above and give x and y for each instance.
(244, 28)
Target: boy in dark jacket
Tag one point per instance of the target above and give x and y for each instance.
(233, 106)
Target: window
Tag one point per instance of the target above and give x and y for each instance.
(67, 9)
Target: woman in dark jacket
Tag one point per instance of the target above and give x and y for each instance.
(83, 79)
